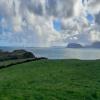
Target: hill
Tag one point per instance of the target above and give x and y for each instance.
(74, 45)
(51, 80)
(16, 54)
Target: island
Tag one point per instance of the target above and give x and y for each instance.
(95, 44)
(74, 45)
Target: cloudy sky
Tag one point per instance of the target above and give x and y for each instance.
(49, 22)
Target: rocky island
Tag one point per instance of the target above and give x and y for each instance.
(74, 45)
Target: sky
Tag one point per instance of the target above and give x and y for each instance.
(45, 23)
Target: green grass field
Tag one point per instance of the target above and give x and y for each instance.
(51, 80)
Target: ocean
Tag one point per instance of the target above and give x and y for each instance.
(61, 53)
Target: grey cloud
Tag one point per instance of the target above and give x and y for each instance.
(94, 2)
(59, 8)
(94, 6)
(97, 18)
(33, 6)
(38, 9)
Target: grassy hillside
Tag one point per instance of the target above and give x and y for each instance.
(51, 80)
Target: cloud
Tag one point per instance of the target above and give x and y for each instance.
(31, 22)
(97, 18)
(94, 5)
